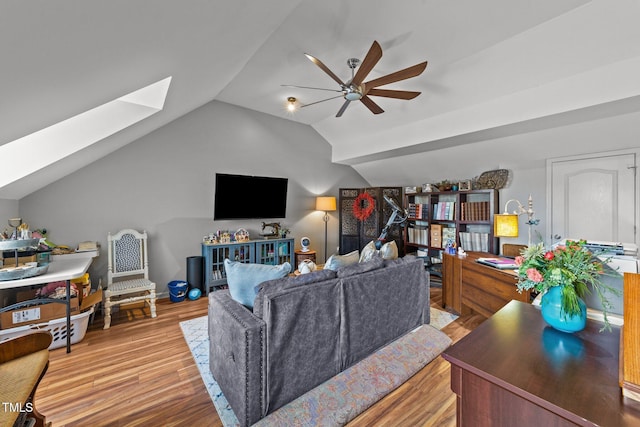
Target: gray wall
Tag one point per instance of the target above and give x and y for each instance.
(164, 183)
(8, 209)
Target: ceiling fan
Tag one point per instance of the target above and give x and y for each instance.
(357, 90)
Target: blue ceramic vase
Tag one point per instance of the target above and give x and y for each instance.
(552, 313)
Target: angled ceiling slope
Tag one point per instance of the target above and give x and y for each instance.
(62, 139)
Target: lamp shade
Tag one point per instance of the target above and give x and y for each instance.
(325, 203)
(505, 225)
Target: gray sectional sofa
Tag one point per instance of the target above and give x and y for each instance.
(304, 330)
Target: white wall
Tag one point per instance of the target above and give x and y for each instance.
(524, 155)
(164, 183)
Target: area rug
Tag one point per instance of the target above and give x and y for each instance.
(196, 335)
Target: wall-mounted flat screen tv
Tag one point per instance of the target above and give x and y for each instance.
(249, 197)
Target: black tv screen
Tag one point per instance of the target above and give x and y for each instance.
(249, 197)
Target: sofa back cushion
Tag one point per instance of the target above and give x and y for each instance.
(302, 339)
(380, 306)
(361, 267)
(243, 278)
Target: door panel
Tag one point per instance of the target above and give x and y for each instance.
(594, 198)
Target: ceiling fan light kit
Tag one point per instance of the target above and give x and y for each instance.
(357, 90)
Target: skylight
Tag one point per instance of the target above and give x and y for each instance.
(68, 136)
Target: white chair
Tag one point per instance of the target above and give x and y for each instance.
(128, 273)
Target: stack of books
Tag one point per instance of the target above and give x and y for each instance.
(501, 263)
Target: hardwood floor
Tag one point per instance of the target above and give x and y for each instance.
(140, 373)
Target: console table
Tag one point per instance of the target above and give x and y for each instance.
(62, 270)
(470, 286)
(515, 370)
(265, 251)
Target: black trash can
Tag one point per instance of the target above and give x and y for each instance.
(195, 272)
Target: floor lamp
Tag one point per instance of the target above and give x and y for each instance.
(326, 204)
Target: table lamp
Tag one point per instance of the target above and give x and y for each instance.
(326, 204)
(506, 224)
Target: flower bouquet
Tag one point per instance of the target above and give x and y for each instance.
(572, 268)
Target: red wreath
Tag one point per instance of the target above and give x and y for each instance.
(363, 206)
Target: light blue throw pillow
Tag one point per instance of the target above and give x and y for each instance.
(243, 278)
(336, 261)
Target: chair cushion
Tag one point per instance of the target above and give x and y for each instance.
(133, 285)
(336, 261)
(243, 278)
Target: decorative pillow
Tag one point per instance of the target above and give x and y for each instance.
(242, 278)
(389, 250)
(336, 261)
(361, 267)
(369, 252)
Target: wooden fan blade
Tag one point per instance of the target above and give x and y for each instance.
(314, 88)
(399, 94)
(375, 108)
(322, 100)
(344, 107)
(324, 68)
(407, 73)
(369, 61)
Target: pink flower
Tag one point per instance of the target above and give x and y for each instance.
(534, 275)
(519, 260)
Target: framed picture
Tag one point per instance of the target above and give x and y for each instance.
(464, 185)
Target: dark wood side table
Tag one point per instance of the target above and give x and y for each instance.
(515, 370)
(301, 256)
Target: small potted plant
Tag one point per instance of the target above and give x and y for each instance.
(564, 276)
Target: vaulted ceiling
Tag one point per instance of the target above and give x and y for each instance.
(495, 67)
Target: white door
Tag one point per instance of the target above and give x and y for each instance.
(593, 198)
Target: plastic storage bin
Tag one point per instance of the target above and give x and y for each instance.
(57, 327)
(177, 290)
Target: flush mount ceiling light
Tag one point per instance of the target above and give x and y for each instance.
(291, 104)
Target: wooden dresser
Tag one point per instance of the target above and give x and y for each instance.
(469, 286)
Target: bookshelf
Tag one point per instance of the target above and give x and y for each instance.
(439, 219)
